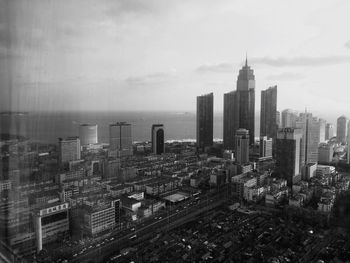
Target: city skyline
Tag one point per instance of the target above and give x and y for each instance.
(76, 62)
(174, 131)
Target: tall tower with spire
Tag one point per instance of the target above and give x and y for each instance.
(239, 107)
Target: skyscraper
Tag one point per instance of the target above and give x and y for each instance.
(231, 118)
(69, 150)
(268, 109)
(288, 154)
(88, 134)
(342, 129)
(239, 107)
(158, 146)
(310, 128)
(329, 131)
(205, 115)
(288, 118)
(246, 98)
(242, 146)
(120, 138)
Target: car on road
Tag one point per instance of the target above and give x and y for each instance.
(133, 237)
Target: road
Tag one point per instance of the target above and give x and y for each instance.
(167, 220)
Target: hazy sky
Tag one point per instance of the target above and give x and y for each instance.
(159, 55)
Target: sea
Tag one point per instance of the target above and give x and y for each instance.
(47, 127)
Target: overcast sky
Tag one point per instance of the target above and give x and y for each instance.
(159, 55)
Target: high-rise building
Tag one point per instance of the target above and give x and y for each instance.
(205, 115)
(310, 137)
(49, 222)
(239, 107)
(120, 138)
(288, 145)
(231, 117)
(268, 122)
(242, 146)
(342, 129)
(246, 99)
(322, 125)
(278, 119)
(288, 118)
(88, 134)
(69, 150)
(325, 153)
(329, 131)
(265, 146)
(158, 146)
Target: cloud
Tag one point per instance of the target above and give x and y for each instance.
(286, 76)
(218, 68)
(151, 79)
(347, 44)
(134, 8)
(301, 61)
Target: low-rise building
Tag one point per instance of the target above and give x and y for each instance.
(324, 169)
(98, 218)
(274, 197)
(5, 185)
(296, 200)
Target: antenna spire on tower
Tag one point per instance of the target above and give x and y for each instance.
(246, 58)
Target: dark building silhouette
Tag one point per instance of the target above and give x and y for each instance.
(246, 98)
(342, 129)
(231, 117)
(242, 146)
(239, 107)
(288, 146)
(158, 146)
(205, 114)
(268, 109)
(120, 138)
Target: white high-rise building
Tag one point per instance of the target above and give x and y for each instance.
(88, 134)
(265, 146)
(322, 127)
